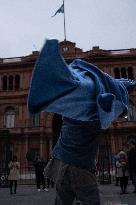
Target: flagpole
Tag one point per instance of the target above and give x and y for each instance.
(64, 22)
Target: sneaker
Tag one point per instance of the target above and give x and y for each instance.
(125, 192)
(38, 190)
(121, 193)
(45, 189)
(78, 202)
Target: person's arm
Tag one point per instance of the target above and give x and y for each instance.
(55, 88)
(127, 82)
(118, 164)
(51, 79)
(10, 165)
(17, 165)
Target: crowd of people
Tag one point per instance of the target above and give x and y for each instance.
(39, 165)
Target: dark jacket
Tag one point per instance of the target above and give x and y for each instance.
(39, 166)
(65, 89)
(132, 160)
(87, 98)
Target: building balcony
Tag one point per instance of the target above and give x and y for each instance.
(42, 130)
(13, 93)
(28, 130)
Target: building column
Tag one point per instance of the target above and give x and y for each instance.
(50, 147)
(26, 146)
(41, 146)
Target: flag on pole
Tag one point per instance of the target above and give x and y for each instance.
(60, 10)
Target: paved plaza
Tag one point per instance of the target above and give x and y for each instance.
(28, 195)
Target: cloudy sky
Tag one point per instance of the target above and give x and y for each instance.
(25, 24)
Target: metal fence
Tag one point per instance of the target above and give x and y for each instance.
(27, 175)
(105, 167)
(3, 178)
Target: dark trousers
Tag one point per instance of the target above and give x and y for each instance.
(76, 183)
(117, 181)
(123, 183)
(13, 185)
(40, 180)
(134, 181)
(50, 182)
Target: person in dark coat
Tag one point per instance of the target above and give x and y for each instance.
(39, 166)
(132, 162)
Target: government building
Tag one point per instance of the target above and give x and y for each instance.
(25, 135)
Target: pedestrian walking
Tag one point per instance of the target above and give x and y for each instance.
(132, 162)
(88, 100)
(13, 177)
(122, 171)
(39, 166)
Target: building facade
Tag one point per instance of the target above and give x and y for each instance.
(25, 135)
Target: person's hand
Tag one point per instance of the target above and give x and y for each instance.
(123, 163)
(17, 165)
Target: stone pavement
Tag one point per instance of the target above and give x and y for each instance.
(111, 193)
(28, 195)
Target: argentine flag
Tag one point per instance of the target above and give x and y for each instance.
(60, 10)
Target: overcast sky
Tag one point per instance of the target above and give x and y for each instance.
(25, 24)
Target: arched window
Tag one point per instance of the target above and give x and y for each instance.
(36, 120)
(130, 73)
(10, 85)
(117, 73)
(123, 73)
(9, 117)
(7, 153)
(4, 83)
(17, 82)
